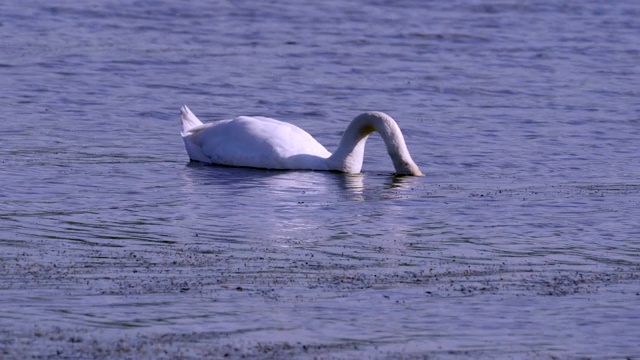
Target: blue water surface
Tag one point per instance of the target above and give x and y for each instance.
(522, 240)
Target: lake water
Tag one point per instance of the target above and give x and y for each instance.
(522, 240)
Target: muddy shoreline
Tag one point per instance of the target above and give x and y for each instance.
(289, 279)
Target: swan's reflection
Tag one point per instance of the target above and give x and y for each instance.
(352, 183)
(280, 182)
(287, 207)
(284, 183)
(402, 182)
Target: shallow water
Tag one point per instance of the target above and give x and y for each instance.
(521, 241)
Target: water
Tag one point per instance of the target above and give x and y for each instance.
(521, 241)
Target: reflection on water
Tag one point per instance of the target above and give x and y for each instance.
(287, 206)
(353, 183)
(403, 182)
(252, 182)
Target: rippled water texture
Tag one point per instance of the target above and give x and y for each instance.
(522, 241)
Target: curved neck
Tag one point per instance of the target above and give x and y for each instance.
(350, 153)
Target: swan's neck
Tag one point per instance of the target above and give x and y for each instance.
(350, 153)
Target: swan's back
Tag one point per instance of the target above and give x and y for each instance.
(258, 141)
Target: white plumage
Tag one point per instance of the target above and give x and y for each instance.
(262, 142)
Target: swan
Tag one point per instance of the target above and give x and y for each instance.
(262, 142)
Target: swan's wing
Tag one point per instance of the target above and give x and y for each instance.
(258, 142)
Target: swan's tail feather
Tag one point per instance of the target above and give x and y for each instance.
(189, 120)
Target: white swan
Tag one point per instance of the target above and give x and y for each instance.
(262, 142)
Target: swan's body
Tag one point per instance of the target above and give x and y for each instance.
(262, 142)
